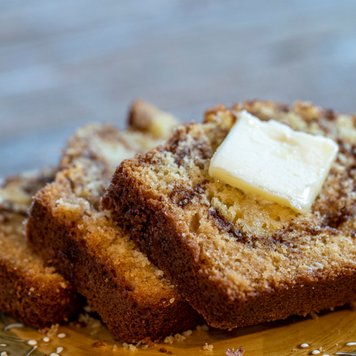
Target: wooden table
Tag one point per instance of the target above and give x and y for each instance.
(331, 332)
(64, 63)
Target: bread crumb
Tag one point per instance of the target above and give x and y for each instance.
(179, 337)
(208, 347)
(232, 352)
(93, 325)
(145, 343)
(202, 328)
(87, 309)
(169, 340)
(132, 348)
(84, 318)
(129, 347)
(187, 333)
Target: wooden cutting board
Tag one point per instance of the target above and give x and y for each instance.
(329, 333)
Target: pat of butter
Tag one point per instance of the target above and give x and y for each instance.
(272, 160)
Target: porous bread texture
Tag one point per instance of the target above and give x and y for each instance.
(237, 259)
(70, 230)
(30, 291)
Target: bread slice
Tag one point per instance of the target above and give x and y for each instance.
(29, 291)
(70, 230)
(239, 260)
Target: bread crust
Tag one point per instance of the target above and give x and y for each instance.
(159, 228)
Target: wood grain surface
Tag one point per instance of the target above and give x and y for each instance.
(328, 333)
(64, 63)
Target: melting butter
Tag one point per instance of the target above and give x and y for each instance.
(273, 161)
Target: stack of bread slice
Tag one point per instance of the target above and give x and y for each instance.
(132, 223)
(240, 260)
(73, 249)
(69, 229)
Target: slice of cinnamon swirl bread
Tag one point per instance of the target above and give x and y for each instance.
(238, 259)
(70, 230)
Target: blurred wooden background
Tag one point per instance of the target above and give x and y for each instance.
(64, 63)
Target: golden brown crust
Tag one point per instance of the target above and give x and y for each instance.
(70, 231)
(238, 260)
(31, 292)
